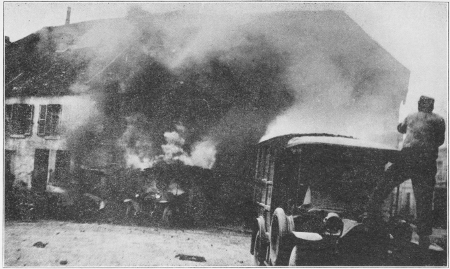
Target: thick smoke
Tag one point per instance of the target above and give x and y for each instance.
(344, 82)
(165, 72)
(333, 99)
(198, 90)
(202, 90)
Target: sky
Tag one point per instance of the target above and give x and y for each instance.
(415, 33)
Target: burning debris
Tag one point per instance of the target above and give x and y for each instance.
(193, 258)
(40, 244)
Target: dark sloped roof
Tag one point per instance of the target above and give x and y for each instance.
(37, 65)
(52, 76)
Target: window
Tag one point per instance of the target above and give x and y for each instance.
(267, 164)
(48, 124)
(258, 157)
(271, 169)
(19, 119)
(262, 161)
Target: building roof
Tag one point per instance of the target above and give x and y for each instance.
(49, 61)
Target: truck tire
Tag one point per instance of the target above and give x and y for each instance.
(258, 226)
(279, 244)
(255, 230)
(259, 251)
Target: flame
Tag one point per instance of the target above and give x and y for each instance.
(138, 151)
(203, 152)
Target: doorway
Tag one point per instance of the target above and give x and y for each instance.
(9, 169)
(40, 173)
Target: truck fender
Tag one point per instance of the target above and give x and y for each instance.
(348, 226)
(308, 236)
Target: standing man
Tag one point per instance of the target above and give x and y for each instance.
(425, 132)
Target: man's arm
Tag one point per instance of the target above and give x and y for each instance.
(401, 127)
(440, 132)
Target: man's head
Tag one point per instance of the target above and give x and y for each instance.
(426, 104)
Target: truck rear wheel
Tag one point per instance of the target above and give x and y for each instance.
(279, 245)
(259, 252)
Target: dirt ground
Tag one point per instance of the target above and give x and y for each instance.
(75, 244)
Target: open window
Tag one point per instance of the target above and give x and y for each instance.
(19, 119)
(49, 120)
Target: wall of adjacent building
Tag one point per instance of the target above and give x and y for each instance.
(75, 111)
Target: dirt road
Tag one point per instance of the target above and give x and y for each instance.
(74, 244)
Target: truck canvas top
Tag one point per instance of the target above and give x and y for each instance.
(336, 140)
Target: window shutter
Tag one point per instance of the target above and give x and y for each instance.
(48, 120)
(52, 121)
(29, 112)
(58, 120)
(41, 121)
(16, 126)
(8, 119)
(55, 119)
(22, 118)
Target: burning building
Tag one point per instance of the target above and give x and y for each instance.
(201, 90)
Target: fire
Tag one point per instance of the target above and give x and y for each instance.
(138, 154)
(203, 153)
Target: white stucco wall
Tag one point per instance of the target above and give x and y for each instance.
(75, 111)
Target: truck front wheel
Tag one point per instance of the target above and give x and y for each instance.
(279, 247)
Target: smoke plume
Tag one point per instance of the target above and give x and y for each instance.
(225, 84)
(231, 81)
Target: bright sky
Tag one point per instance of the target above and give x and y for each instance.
(415, 33)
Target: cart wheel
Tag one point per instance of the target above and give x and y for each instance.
(259, 251)
(167, 216)
(279, 245)
(130, 211)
